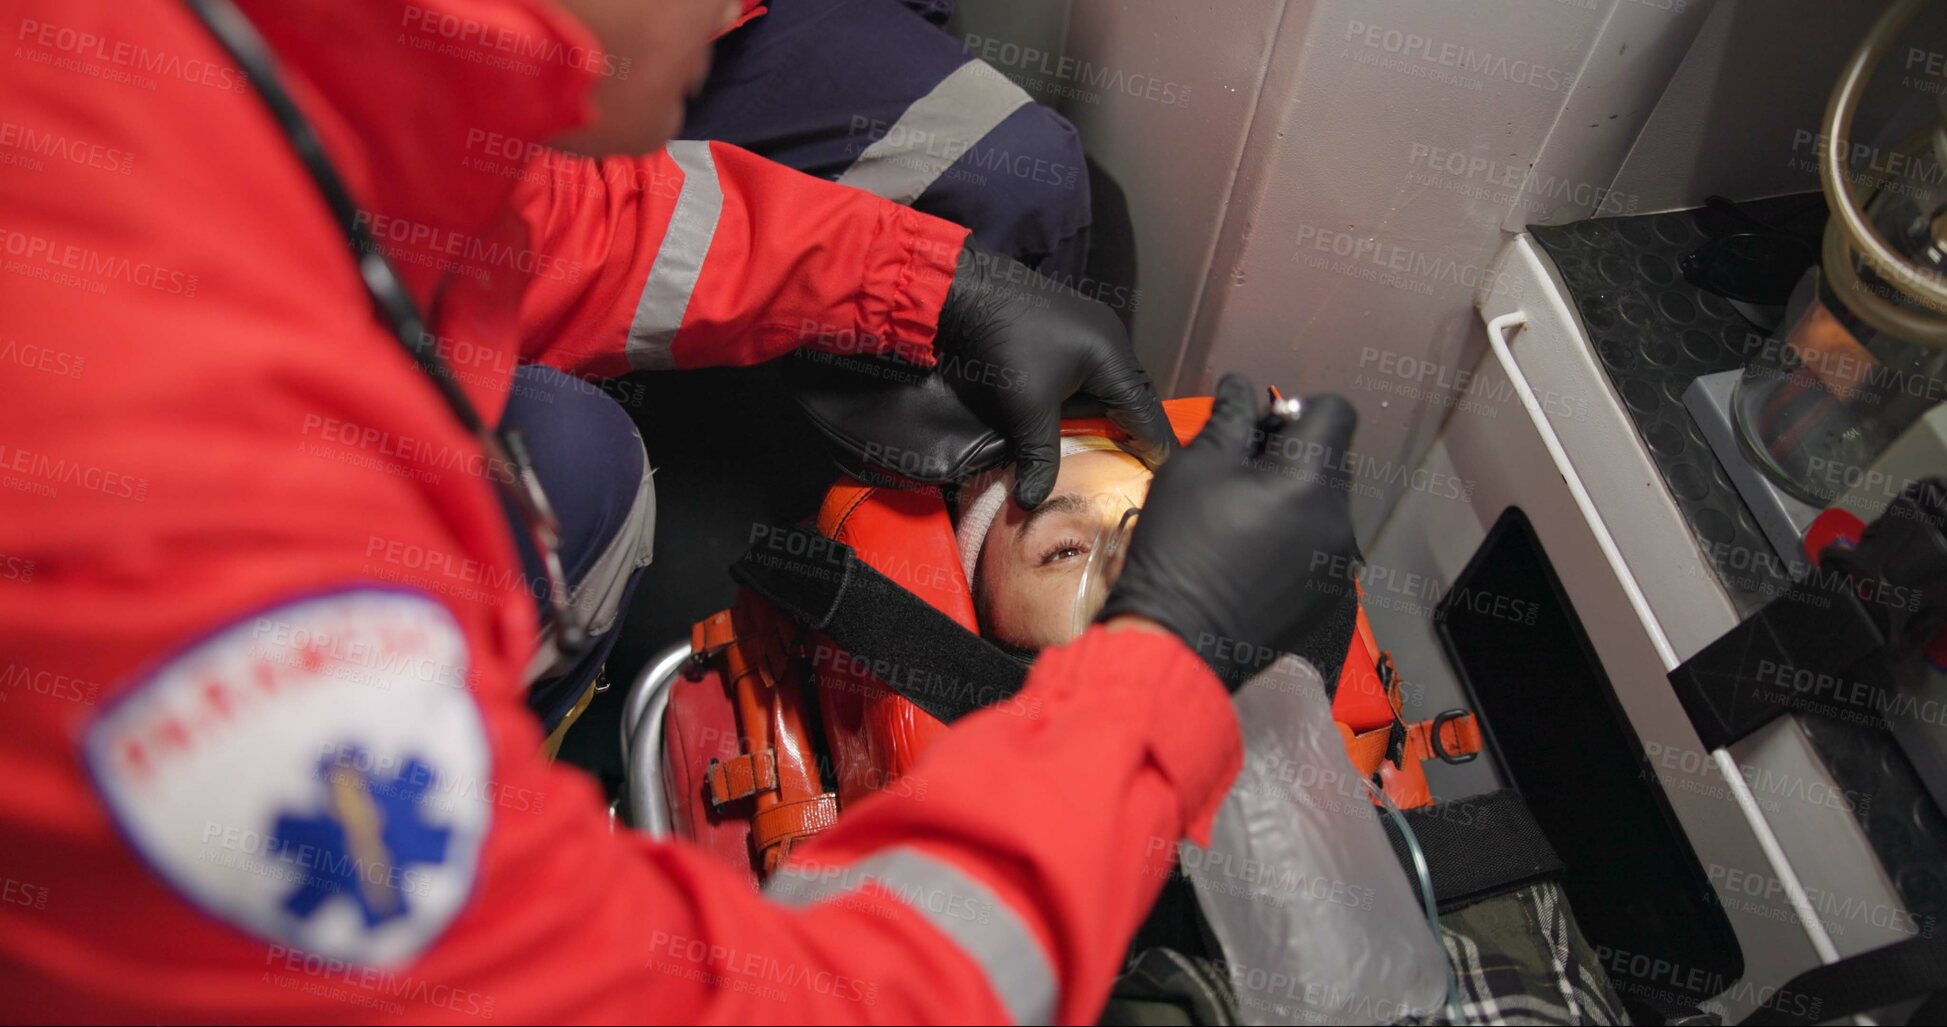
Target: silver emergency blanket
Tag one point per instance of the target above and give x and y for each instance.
(1319, 923)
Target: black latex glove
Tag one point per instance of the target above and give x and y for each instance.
(1246, 538)
(1016, 345)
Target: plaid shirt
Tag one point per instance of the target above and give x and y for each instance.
(1520, 959)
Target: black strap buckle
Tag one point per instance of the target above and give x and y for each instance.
(1440, 750)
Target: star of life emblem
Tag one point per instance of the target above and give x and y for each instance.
(311, 773)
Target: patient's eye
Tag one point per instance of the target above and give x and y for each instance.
(1066, 549)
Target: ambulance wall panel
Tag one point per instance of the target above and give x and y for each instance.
(1742, 112)
(1391, 144)
(1163, 93)
(1319, 187)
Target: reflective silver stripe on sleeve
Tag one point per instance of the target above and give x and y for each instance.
(963, 909)
(679, 261)
(937, 130)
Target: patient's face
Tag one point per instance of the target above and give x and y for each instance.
(1031, 565)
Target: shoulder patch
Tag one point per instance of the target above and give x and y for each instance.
(312, 773)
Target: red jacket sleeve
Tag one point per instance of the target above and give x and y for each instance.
(1001, 882)
(1037, 833)
(707, 255)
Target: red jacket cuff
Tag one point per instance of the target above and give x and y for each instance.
(903, 297)
(1193, 735)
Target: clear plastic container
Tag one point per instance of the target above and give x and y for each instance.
(1864, 349)
(1815, 409)
(1318, 921)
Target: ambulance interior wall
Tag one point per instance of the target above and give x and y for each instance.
(1320, 188)
(1741, 117)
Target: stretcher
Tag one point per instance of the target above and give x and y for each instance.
(756, 733)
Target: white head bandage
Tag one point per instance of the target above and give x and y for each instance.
(982, 496)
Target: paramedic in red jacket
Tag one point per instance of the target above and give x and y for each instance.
(264, 637)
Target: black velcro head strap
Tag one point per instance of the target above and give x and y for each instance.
(920, 653)
(800, 570)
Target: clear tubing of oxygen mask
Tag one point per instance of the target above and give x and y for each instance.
(1423, 874)
(1105, 557)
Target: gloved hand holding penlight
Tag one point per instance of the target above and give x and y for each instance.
(1235, 525)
